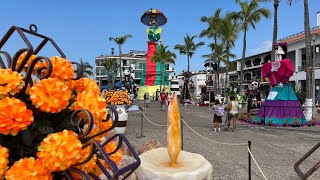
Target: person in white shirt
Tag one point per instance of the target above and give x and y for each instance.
(233, 108)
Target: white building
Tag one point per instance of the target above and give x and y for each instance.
(297, 54)
(133, 60)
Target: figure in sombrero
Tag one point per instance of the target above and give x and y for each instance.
(151, 73)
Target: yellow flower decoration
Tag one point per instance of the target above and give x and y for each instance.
(50, 95)
(22, 56)
(28, 168)
(14, 116)
(92, 102)
(10, 82)
(62, 68)
(3, 161)
(59, 151)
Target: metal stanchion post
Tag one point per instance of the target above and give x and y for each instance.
(249, 156)
(181, 126)
(141, 123)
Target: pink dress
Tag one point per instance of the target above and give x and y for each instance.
(278, 72)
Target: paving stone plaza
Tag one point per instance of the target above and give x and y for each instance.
(275, 149)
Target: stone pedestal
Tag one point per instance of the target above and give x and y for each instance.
(155, 166)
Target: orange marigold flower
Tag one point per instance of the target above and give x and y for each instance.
(22, 56)
(14, 116)
(28, 168)
(115, 157)
(87, 167)
(92, 102)
(59, 151)
(50, 95)
(10, 82)
(62, 68)
(3, 161)
(87, 84)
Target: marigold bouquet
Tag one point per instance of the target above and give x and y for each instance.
(37, 139)
(118, 97)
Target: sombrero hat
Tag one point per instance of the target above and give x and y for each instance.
(145, 18)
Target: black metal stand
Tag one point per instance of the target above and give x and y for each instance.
(141, 124)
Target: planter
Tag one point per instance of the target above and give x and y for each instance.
(123, 117)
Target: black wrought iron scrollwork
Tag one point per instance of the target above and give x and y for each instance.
(8, 58)
(33, 28)
(89, 120)
(80, 173)
(79, 71)
(116, 172)
(97, 149)
(41, 72)
(80, 122)
(86, 117)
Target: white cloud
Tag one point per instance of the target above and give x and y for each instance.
(263, 47)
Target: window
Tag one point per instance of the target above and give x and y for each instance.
(124, 62)
(104, 72)
(139, 65)
(138, 74)
(167, 66)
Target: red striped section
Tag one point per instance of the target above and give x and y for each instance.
(151, 70)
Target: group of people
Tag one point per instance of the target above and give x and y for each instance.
(164, 97)
(232, 112)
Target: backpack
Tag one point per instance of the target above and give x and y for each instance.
(220, 111)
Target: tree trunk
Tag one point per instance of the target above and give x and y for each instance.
(215, 61)
(188, 63)
(275, 28)
(120, 53)
(243, 59)
(309, 60)
(218, 74)
(227, 70)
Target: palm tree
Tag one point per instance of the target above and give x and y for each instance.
(248, 16)
(189, 48)
(229, 30)
(111, 66)
(86, 67)
(219, 51)
(275, 28)
(212, 32)
(120, 41)
(163, 56)
(309, 60)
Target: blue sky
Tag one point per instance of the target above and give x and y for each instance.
(82, 28)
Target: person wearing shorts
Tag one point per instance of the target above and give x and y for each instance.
(233, 106)
(163, 98)
(218, 109)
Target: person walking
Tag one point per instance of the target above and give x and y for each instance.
(146, 98)
(233, 107)
(157, 94)
(218, 110)
(163, 98)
